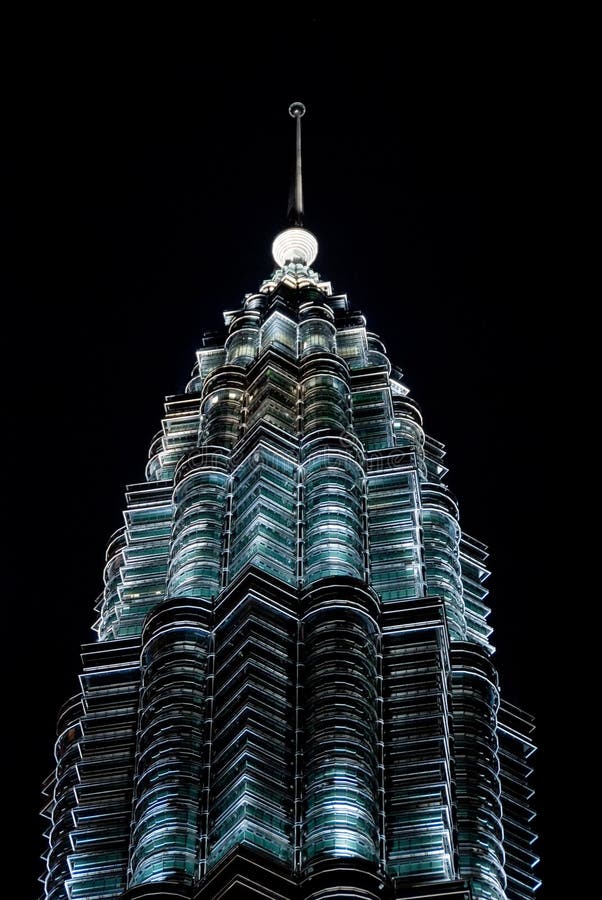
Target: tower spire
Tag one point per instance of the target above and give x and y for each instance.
(295, 245)
(295, 206)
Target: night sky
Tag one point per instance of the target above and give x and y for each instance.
(146, 181)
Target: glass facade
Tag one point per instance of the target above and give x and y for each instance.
(292, 692)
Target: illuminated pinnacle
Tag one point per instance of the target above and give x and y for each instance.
(295, 245)
(295, 213)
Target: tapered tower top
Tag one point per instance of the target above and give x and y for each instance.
(295, 244)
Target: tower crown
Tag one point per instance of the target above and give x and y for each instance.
(292, 694)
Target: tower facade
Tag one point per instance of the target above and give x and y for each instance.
(292, 694)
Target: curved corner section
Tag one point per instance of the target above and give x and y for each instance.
(342, 878)
(170, 774)
(341, 790)
(475, 702)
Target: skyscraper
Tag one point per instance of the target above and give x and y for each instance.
(292, 693)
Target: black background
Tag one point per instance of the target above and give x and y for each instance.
(146, 180)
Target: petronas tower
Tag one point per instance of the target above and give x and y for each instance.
(292, 694)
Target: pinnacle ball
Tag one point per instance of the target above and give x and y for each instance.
(296, 110)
